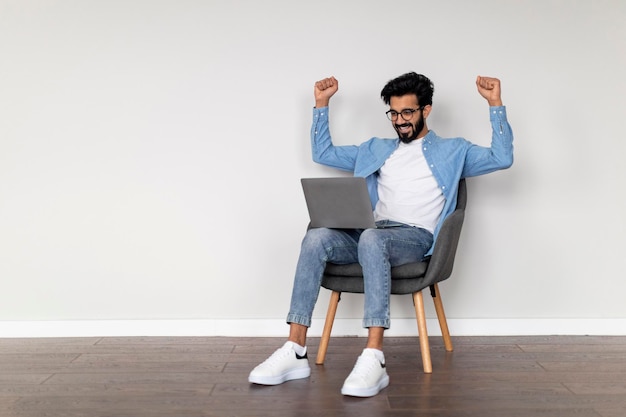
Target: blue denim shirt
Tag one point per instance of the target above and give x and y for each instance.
(449, 159)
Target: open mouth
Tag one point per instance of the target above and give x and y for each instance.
(404, 128)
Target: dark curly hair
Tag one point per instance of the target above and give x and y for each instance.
(409, 83)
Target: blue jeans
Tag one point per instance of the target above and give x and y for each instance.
(377, 250)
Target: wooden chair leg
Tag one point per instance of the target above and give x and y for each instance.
(420, 314)
(441, 315)
(328, 327)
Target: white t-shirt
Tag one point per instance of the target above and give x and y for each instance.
(407, 190)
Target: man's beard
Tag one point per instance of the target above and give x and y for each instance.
(411, 136)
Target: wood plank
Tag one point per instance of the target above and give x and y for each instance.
(539, 376)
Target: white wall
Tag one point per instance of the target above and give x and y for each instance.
(150, 156)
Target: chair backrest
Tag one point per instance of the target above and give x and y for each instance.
(442, 260)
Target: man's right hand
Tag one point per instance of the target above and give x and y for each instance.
(324, 90)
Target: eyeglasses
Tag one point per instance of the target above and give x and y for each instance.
(406, 114)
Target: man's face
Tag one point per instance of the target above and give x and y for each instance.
(408, 128)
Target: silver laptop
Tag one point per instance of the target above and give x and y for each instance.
(338, 203)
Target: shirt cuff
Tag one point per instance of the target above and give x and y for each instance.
(497, 112)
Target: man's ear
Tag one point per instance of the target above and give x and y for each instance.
(426, 110)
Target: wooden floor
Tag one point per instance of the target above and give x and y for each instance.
(179, 377)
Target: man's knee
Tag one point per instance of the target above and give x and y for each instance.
(316, 236)
(371, 238)
(319, 240)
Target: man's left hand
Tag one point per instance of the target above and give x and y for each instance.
(489, 88)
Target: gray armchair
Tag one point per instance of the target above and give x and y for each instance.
(410, 278)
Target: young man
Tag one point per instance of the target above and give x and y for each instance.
(412, 181)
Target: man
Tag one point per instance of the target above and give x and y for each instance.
(412, 181)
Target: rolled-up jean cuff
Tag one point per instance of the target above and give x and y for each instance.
(296, 319)
(367, 323)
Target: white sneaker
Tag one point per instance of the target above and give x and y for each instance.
(283, 365)
(367, 378)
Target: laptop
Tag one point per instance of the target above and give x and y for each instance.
(338, 202)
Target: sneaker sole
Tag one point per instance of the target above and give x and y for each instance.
(279, 379)
(366, 392)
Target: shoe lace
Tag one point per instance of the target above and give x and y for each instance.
(364, 365)
(277, 356)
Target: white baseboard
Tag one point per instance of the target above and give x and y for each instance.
(278, 328)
